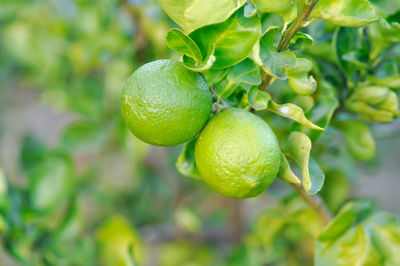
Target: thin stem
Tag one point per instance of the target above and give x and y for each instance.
(289, 33)
(316, 203)
(297, 24)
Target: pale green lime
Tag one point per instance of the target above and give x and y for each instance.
(237, 154)
(165, 104)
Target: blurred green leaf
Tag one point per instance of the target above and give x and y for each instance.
(358, 138)
(346, 13)
(3, 191)
(185, 162)
(359, 236)
(118, 242)
(82, 136)
(50, 183)
(178, 41)
(191, 15)
(188, 220)
(32, 152)
(287, 9)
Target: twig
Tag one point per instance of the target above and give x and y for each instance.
(289, 33)
(316, 203)
(297, 24)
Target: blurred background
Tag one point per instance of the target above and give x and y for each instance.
(77, 188)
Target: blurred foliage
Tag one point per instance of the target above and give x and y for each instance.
(99, 196)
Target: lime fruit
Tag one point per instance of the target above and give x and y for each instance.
(165, 104)
(237, 154)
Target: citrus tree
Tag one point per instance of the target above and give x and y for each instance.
(272, 103)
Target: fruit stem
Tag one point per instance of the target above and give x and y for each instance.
(289, 33)
(315, 203)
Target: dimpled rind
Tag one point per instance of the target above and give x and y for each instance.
(237, 154)
(165, 104)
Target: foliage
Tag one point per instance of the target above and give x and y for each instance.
(323, 75)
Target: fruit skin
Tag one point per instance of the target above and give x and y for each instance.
(237, 154)
(165, 104)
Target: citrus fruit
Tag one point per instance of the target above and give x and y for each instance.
(165, 104)
(237, 154)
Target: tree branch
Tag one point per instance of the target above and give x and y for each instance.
(316, 203)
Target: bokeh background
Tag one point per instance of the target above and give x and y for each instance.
(81, 189)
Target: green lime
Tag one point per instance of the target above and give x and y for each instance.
(165, 104)
(237, 154)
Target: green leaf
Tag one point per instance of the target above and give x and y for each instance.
(194, 14)
(300, 41)
(273, 62)
(82, 136)
(50, 183)
(346, 13)
(118, 242)
(298, 147)
(383, 34)
(33, 151)
(3, 191)
(257, 99)
(285, 172)
(358, 138)
(191, 64)
(231, 41)
(178, 41)
(185, 163)
(287, 9)
(359, 236)
(293, 112)
(324, 109)
(246, 72)
(300, 81)
(392, 82)
(351, 50)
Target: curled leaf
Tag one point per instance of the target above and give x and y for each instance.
(346, 13)
(185, 163)
(298, 147)
(257, 99)
(285, 173)
(300, 41)
(300, 81)
(292, 111)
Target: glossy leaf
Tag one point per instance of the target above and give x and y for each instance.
(194, 14)
(293, 112)
(273, 62)
(178, 41)
(287, 9)
(359, 236)
(246, 72)
(358, 138)
(230, 41)
(346, 13)
(185, 163)
(285, 172)
(301, 41)
(257, 99)
(50, 183)
(300, 81)
(298, 147)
